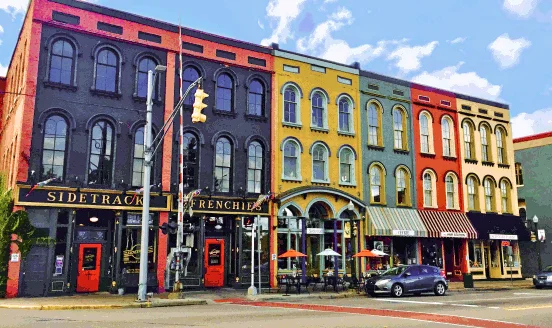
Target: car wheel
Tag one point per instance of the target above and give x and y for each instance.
(397, 290)
(440, 289)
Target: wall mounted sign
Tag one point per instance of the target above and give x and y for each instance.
(14, 257)
(448, 234)
(541, 235)
(502, 237)
(315, 231)
(220, 205)
(52, 196)
(403, 233)
(59, 265)
(136, 220)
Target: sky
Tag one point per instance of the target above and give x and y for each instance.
(493, 49)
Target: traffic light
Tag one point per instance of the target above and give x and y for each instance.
(200, 95)
(170, 228)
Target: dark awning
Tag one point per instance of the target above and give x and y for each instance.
(497, 226)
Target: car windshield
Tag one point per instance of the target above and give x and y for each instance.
(395, 271)
(547, 269)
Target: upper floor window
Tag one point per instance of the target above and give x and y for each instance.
(473, 195)
(291, 160)
(62, 63)
(519, 174)
(54, 147)
(107, 71)
(225, 90)
(500, 143)
(255, 168)
(451, 186)
(484, 131)
(425, 133)
(290, 105)
(346, 166)
(403, 187)
(320, 163)
(190, 160)
(489, 186)
(138, 159)
(146, 64)
(318, 111)
(189, 76)
(255, 98)
(399, 127)
(469, 149)
(377, 184)
(374, 125)
(505, 190)
(100, 167)
(223, 165)
(429, 184)
(345, 117)
(447, 129)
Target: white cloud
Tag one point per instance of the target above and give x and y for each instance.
(470, 83)
(329, 1)
(284, 11)
(457, 40)
(3, 70)
(409, 58)
(260, 24)
(507, 51)
(14, 6)
(522, 8)
(526, 124)
(1, 29)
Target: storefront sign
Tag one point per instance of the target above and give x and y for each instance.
(315, 231)
(86, 198)
(132, 255)
(503, 237)
(225, 206)
(447, 234)
(136, 220)
(403, 233)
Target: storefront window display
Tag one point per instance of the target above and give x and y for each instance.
(131, 242)
(289, 237)
(475, 254)
(404, 251)
(246, 247)
(378, 263)
(432, 252)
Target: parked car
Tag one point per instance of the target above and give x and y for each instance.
(408, 279)
(544, 278)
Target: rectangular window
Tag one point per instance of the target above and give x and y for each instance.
(226, 54)
(291, 69)
(373, 87)
(498, 114)
(344, 80)
(256, 61)
(398, 93)
(318, 69)
(65, 18)
(483, 111)
(425, 143)
(149, 37)
(192, 47)
(423, 98)
(519, 174)
(466, 107)
(110, 28)
(445, 103)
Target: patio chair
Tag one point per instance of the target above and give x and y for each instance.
(315, 280)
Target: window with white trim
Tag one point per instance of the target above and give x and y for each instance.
(473, 197)
(489, 186)
(400, 129)
(346, 166)
(377, 184)
(291, 160)
(320, 163)
(345, 117)
(500, 149)
(374, 125)
(318, 117)
(428, 190)
(291, 112)
(505, 190)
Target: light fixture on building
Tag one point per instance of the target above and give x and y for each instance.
(93, 219)
(350, 206)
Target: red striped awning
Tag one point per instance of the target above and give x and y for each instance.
(447, 224)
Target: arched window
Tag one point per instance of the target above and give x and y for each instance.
(290, 105)
(377, 184)
(447, 129)
(489, 186)
(318, 111)
(146, 64)
(189, 76)
(62, 59)
(54, 147)
(347, 166)
(505, 189)
(500, 143)
(256, 98)
(469, 150)
(107, 71)
(374, 125)
(473, 197)
(425, 133)
(484, 131)
(519, 174)
(138, 159)
(190, 160)
(399, 127)
(100, 167)
(345, 117)
(430, 193)
(320, 163)
(291, 160)
(403, 187)
(451, 187)
(223, 165)
(255, 168)
(225, 90)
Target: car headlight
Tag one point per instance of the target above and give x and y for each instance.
(549, 278)
(383, 282)
(534, 277)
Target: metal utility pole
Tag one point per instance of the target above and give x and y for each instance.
(252, 290)
(260, 230)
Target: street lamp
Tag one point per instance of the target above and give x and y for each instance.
(351, 207)
(536, 222)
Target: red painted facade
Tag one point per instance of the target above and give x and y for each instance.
(438, 104)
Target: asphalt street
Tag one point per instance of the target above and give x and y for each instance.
(513, 308)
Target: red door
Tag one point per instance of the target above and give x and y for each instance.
(88, 276)
(214, 263)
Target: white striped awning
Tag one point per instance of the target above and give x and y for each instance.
(403, 222)
(443, 224)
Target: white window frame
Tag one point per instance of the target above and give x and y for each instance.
(351, 115)
(431, 150)
(455, 200)
(324, 111)
(452, 136)
(326, 163)
(351, 163)
(298, 166)
(433, 189)
(492, 190)
(297, 105)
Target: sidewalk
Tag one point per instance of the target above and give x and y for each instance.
(221, 295)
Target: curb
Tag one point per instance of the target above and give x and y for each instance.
(104, 306)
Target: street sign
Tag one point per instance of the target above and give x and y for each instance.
(541, 235)
(505, 243)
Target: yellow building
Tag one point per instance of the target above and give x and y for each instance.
(490, 195)
(317, 164)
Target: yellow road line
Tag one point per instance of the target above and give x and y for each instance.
(529, 307)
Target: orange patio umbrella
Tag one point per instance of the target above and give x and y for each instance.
(366, 253)
(292, 253)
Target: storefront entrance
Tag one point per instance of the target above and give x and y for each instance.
(88, 275)
(214, 263)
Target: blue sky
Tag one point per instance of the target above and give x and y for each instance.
(493, 49)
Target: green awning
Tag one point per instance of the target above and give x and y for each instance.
(400, 222)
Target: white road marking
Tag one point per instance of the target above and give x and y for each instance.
(466, 305)
(406, 301)
(525, 294)
(494, 307)
(501, 298)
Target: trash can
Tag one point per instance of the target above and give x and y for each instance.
(468, 280)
